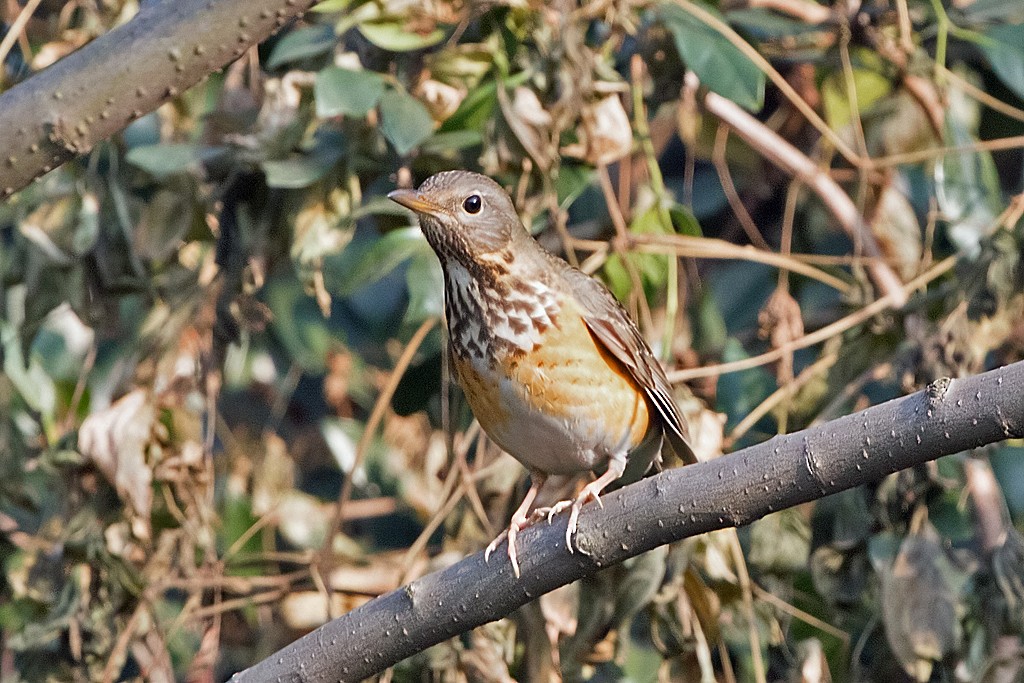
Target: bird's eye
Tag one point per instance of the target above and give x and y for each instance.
(473, 203)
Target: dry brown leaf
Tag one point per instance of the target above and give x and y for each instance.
(116, 439)
(781, 322)
(606, 133)
(895, 226)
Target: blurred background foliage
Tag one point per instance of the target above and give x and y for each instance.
(223, 411)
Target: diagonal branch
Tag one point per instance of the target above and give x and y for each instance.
(949, 417)
(796, 163)
(99, 89)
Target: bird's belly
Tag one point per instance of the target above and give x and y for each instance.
(563, 408)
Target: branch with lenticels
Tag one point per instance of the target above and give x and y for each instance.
(948, 417)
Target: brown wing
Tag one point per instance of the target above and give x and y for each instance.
(612, 327)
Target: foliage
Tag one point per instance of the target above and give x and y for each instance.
(223, 417)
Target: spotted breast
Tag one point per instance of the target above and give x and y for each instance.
(539, 383)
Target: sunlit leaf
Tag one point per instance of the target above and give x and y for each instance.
(393, 36)
(870, 86)
(343, 92)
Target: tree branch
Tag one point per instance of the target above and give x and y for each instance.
(949, 417)
(96, 91)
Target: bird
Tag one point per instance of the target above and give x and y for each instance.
(552, 366)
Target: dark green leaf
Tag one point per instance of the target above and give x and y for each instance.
(168, 159)
(301, 43)
(1004, 48)
(363, 263)
(301, 170)
(455, 141)
(718, 63)
(426, 286)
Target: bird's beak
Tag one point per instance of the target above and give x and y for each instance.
(411, 199)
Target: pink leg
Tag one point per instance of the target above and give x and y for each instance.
(591, 491)
(519, 521)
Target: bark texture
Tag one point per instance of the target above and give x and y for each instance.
(949, 417)
(99, 89)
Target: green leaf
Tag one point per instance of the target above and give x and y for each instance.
(298, 323)
(165, 160)
(652, 269)
(478, 106)
(391, 35)
(967, 190)
(474, 110)
(364, 262)
(718, 63)
(1005, 51)
(344, 92)
(302, 43)
(426, 286)
(684, 222)
(405, 122)
(994, 11)
(331, 6)
(447, 143)
(301, 170)
(573, 180)
(765, 24)
(870, 85)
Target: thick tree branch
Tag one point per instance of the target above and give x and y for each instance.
(951, 416)
(96, 91)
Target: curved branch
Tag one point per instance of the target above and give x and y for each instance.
(949, 417)
(99, 89)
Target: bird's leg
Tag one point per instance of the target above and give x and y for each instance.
(592, 491)
(519, 521)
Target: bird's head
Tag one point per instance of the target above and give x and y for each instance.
(463, 215)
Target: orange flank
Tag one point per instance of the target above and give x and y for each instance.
(568, 395)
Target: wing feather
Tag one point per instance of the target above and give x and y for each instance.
(609, 323)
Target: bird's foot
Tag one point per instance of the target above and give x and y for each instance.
(589, 493)
(518, 523)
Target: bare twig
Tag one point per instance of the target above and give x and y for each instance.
(839, 326)
(376, 415)
(793, 161)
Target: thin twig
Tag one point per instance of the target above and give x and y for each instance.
(753, 635)
(16, 27)
(803, 616)
(838, 327)
(718, 158)
(376, 415)
(776, 78)
(787, 157)
(713, 248)
(906, 158)
(779, 395)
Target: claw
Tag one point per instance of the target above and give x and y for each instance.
(492, 546)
